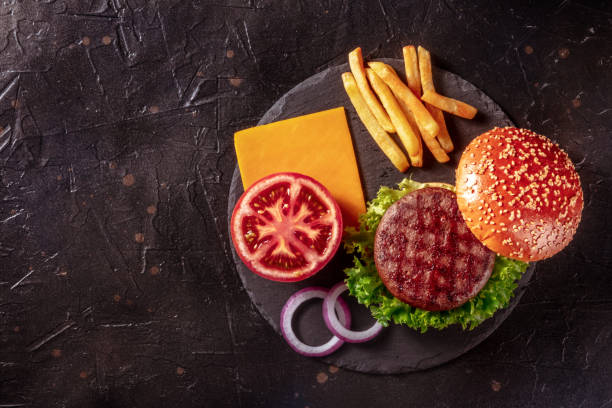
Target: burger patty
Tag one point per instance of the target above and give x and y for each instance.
(426, 255)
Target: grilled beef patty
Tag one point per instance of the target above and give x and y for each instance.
(426, 255)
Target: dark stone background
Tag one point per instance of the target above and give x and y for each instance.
(116, 154)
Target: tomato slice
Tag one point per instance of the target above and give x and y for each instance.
(286, 227)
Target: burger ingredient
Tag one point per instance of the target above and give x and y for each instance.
(519, 193)
(293, 303)
(365, 284)
(311, 145)
(425, 254)
(286, 227)
(340, 330)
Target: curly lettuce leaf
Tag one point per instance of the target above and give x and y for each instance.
(365, 284)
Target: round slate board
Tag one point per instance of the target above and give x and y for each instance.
(398, 349)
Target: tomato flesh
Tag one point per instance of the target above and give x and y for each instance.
(286, 227)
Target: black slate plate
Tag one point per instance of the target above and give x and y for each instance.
(398, 349)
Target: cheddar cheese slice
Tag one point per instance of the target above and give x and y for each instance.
(318, 145)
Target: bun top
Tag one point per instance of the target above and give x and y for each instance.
(519, 193)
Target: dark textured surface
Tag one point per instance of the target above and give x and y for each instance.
(398, 349)
(117, 121)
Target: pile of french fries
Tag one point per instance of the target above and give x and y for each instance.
(412, 110)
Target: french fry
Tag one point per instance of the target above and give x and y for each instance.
(405, 132)
(426, 124)
(358, 70)
(382, 138)
(411, 66)
(426, 76)
(449, 105)
(432, 144)
(436, 150)
(443, 137)
(409, 116)
(425, 72)
(413, 125)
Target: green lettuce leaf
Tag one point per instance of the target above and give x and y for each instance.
(365, 284)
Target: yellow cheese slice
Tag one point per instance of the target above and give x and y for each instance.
(318, 145)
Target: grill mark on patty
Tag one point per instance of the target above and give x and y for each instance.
(425, 254)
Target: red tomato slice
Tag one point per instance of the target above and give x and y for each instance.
(286, 227)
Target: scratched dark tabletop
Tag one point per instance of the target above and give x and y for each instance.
(117, 286)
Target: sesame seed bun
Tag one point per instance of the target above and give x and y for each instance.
(519, 193)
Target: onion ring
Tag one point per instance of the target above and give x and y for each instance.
(293, 303)
(340, 330)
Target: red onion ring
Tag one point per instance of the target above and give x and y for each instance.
(341, 331)
(293, 303)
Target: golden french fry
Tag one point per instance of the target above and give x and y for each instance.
(358, 70)
(411, 65)
(418, 161)
(425, 70)
(427, 83)
(443, 137)
(426, 124)
(411, 120)
(436, 150)
(409, 116)
(406, 134)
(382, 138)
(432, 144)
(449, 105)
